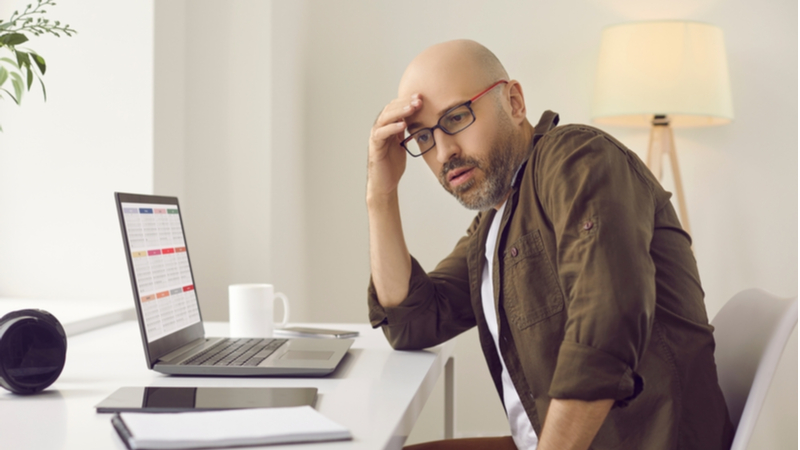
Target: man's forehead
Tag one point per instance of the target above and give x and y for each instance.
(435, 93)
(438, 94)
(438, 80)
(444, 75)
(434, 103)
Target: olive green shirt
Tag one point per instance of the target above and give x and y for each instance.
(597, 296)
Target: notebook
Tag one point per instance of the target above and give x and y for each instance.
(168, 308)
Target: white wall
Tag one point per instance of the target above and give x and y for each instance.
(288, 251)
(740, 179)
(169, 98)
(215, 93)
(61, 161)
(212, 141)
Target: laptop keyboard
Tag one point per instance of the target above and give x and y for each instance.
(235, 352)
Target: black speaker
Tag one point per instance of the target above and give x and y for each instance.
(33, 349)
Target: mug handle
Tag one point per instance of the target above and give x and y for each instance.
(285, 310)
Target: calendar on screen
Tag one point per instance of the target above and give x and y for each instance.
(161, 268)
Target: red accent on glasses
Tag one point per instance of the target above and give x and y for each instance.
(487, 90)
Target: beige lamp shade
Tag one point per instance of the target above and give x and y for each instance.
(677, 69)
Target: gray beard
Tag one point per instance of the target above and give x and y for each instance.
(499, 168)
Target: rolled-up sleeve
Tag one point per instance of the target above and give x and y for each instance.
(438, 306)
(602, 204)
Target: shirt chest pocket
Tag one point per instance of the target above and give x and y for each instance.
(531, 292)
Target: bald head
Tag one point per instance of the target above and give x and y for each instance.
(464, 64)
(477, 161)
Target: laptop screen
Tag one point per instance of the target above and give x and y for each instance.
(160, 265)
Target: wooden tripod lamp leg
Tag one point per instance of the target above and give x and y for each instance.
(676, 173)
(655, 151)
(663, 141)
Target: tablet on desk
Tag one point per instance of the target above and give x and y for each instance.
(307, 332)
(174, 399)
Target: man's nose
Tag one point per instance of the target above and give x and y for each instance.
(446, 146)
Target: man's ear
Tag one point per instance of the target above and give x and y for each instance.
(517, 101)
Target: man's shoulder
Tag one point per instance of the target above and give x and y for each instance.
(571, 133)
(573, 153)
(564, 141)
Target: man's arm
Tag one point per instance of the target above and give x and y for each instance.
(390, 262)
(602, 201)
(572, 424)
(402, 295)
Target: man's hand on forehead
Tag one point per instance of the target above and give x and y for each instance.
(416, 103)
(387, 158)
(409, 103)
(391, 121)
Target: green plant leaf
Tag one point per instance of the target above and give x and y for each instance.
(16, 81)
(44, 91)
(22, 59)
(10, 61)
(30, 78)
(18, 88)
(3, 75)
(39, 62)
(10, 95)
(15, 76)
(5, 25)
(13, 39)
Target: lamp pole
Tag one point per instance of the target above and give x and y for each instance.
(663, 141)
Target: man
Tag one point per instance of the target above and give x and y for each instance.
(575, 270)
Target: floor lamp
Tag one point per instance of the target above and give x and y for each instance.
(663, 74)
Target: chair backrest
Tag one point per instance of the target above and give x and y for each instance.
(750, 332)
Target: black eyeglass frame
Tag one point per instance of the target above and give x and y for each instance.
(438, 125)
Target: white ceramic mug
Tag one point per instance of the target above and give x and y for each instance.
(251, 308)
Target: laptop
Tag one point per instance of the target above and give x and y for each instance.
(168, 309)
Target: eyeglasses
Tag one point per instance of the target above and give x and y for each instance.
(455, 120)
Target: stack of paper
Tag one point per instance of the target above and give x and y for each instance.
(241, 427)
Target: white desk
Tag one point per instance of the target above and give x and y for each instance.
(376, 392)
(76, 316)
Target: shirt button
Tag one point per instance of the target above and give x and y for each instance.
(588, 225)
(514, 251)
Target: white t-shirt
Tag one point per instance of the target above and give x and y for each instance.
(521, 429)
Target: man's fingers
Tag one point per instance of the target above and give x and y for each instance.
(397, 110)
(385, 132)
(390, 123)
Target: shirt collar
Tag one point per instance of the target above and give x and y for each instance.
(547, 122)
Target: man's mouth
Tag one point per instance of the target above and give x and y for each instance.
(459, 176)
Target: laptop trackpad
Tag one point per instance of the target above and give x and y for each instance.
(302, 354)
